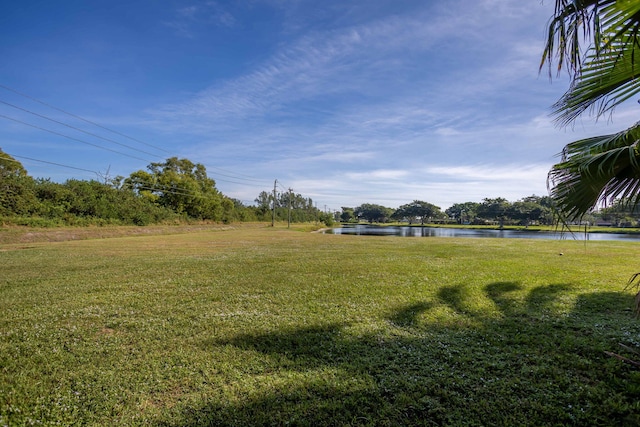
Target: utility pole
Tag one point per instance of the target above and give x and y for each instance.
(273, 214)
(289, 213)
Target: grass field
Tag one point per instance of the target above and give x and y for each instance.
(269, 326)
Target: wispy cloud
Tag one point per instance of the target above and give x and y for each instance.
(317, 65)
(377, 175)
(188, 20)
(370, 62)
(401, 105)
(515, 173)
(345, 101)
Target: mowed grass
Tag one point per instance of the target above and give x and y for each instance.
(269, 326)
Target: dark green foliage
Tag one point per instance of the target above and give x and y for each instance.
(176, 189)
(347, 215)
(529, 210)
(373, 213)
(463, 212)
(95, 201)
(180, 185)
(418, 209)
(16, 188)
(289, 206)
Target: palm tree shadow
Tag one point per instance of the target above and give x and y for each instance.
(408, 316)
(306, 347)
(399, 378)
(499, 293)
(545, 298)
(454, 297)
(324, 405)
(609, 304)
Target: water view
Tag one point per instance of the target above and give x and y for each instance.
(406, 231)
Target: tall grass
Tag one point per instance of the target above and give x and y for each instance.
(267, 326)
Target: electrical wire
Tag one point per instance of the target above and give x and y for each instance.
(51, 163)
(48, 162)
(237, 176)
(71, 138)
(108, 149)
(163, 188)
(75, 128)
(81, 118)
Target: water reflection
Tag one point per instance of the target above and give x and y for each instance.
(372, 230)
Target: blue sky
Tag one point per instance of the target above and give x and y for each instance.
(346, 102)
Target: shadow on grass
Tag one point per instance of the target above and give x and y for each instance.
(408, 316)
(534, 366)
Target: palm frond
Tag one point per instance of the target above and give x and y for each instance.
(605, 74)
(608, 75)
(604, 84)
(574, 21)
(597, 170)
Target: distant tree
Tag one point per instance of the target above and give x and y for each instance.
(532, 209)
(463, 212)
(288, 206)
(296, 206)
(347, 214)
(263, 204)
(17, 192)
(10, 167)
(373, 213)
(235, 210)
(181, 185)
(621, 213)
(493, 209)
(326, 218)
(524, 212)
(417, 209)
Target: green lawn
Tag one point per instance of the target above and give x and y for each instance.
(269, 326)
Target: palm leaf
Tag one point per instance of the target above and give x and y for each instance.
(597, 170)
(572, 23)
(608, 75)
(605, 83)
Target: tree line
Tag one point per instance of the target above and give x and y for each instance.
(498, 211)
(289, 206)
(531, 210)
(176, 190)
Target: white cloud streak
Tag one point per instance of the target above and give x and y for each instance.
(442, 103)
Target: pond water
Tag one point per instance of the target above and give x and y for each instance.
(372, 230)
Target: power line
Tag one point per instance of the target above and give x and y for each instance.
(75, 128)
(81, 118)
(51, 163)
(104, 148)
(237, 176)
(72, 138)
(284, 189)
(172, 191)
(163, 188)
(240, 183)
